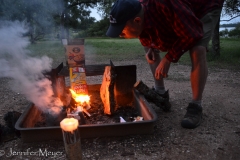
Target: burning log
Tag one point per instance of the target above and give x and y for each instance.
(117, 87)
(151, 95)
(107, 90)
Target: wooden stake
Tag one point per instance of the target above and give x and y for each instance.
(71, 138)
(72, 144)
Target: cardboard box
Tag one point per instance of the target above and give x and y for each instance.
(75, 52)
(78, 80)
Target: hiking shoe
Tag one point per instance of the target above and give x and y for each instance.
(193, 117)
(166, 104)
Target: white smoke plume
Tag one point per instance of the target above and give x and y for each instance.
(26, 72)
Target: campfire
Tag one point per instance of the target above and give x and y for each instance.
(112, 108)
(82, 104)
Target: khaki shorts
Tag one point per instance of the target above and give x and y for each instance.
(209, 21)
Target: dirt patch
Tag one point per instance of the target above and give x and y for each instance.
(218, 137)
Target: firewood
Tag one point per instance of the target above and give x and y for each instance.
(150, 94)
(107, 90)
(123, 87)
(117, 87)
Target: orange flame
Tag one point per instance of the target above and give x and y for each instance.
(80, 98)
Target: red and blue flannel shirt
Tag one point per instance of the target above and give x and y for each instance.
(174, 26)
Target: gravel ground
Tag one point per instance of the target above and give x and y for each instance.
(218, 137)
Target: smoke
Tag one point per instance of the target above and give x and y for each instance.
(26, 72)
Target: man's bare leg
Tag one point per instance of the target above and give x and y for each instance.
(155, 60)
(159, 83)
(199, 74)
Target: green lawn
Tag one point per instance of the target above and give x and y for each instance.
(120, 49)
(49, 48)
(230, 53)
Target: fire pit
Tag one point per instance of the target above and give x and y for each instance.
(27, 122)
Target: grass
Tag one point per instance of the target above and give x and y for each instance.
(116, 49)
(122, 49)
(51, 49)
(229, 55)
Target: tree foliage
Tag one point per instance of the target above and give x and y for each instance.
(231, 8)
(104, 7)
(76, 15)
(39, 15)
(234, 33)
(99, 28)
(45, 16)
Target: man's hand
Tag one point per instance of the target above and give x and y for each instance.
(162, 69)
(150, 56)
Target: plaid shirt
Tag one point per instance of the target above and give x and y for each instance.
(174, 26)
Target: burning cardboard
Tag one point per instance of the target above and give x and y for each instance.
(78, 80)
(79, 88)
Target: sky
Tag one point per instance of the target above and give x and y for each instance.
(235, 20)
(95, 14)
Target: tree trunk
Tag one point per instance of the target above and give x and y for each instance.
(216, 42)
(64, 25)
(62, 36)
(67, 25)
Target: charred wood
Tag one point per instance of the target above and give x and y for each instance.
(150, 94)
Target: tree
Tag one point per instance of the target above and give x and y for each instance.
(100, 28)
(223, 33)
(104, 7)
(230, 8)
(216, 41)
(45, 16)
(37, 14)
(76, 14)
(235, 32)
